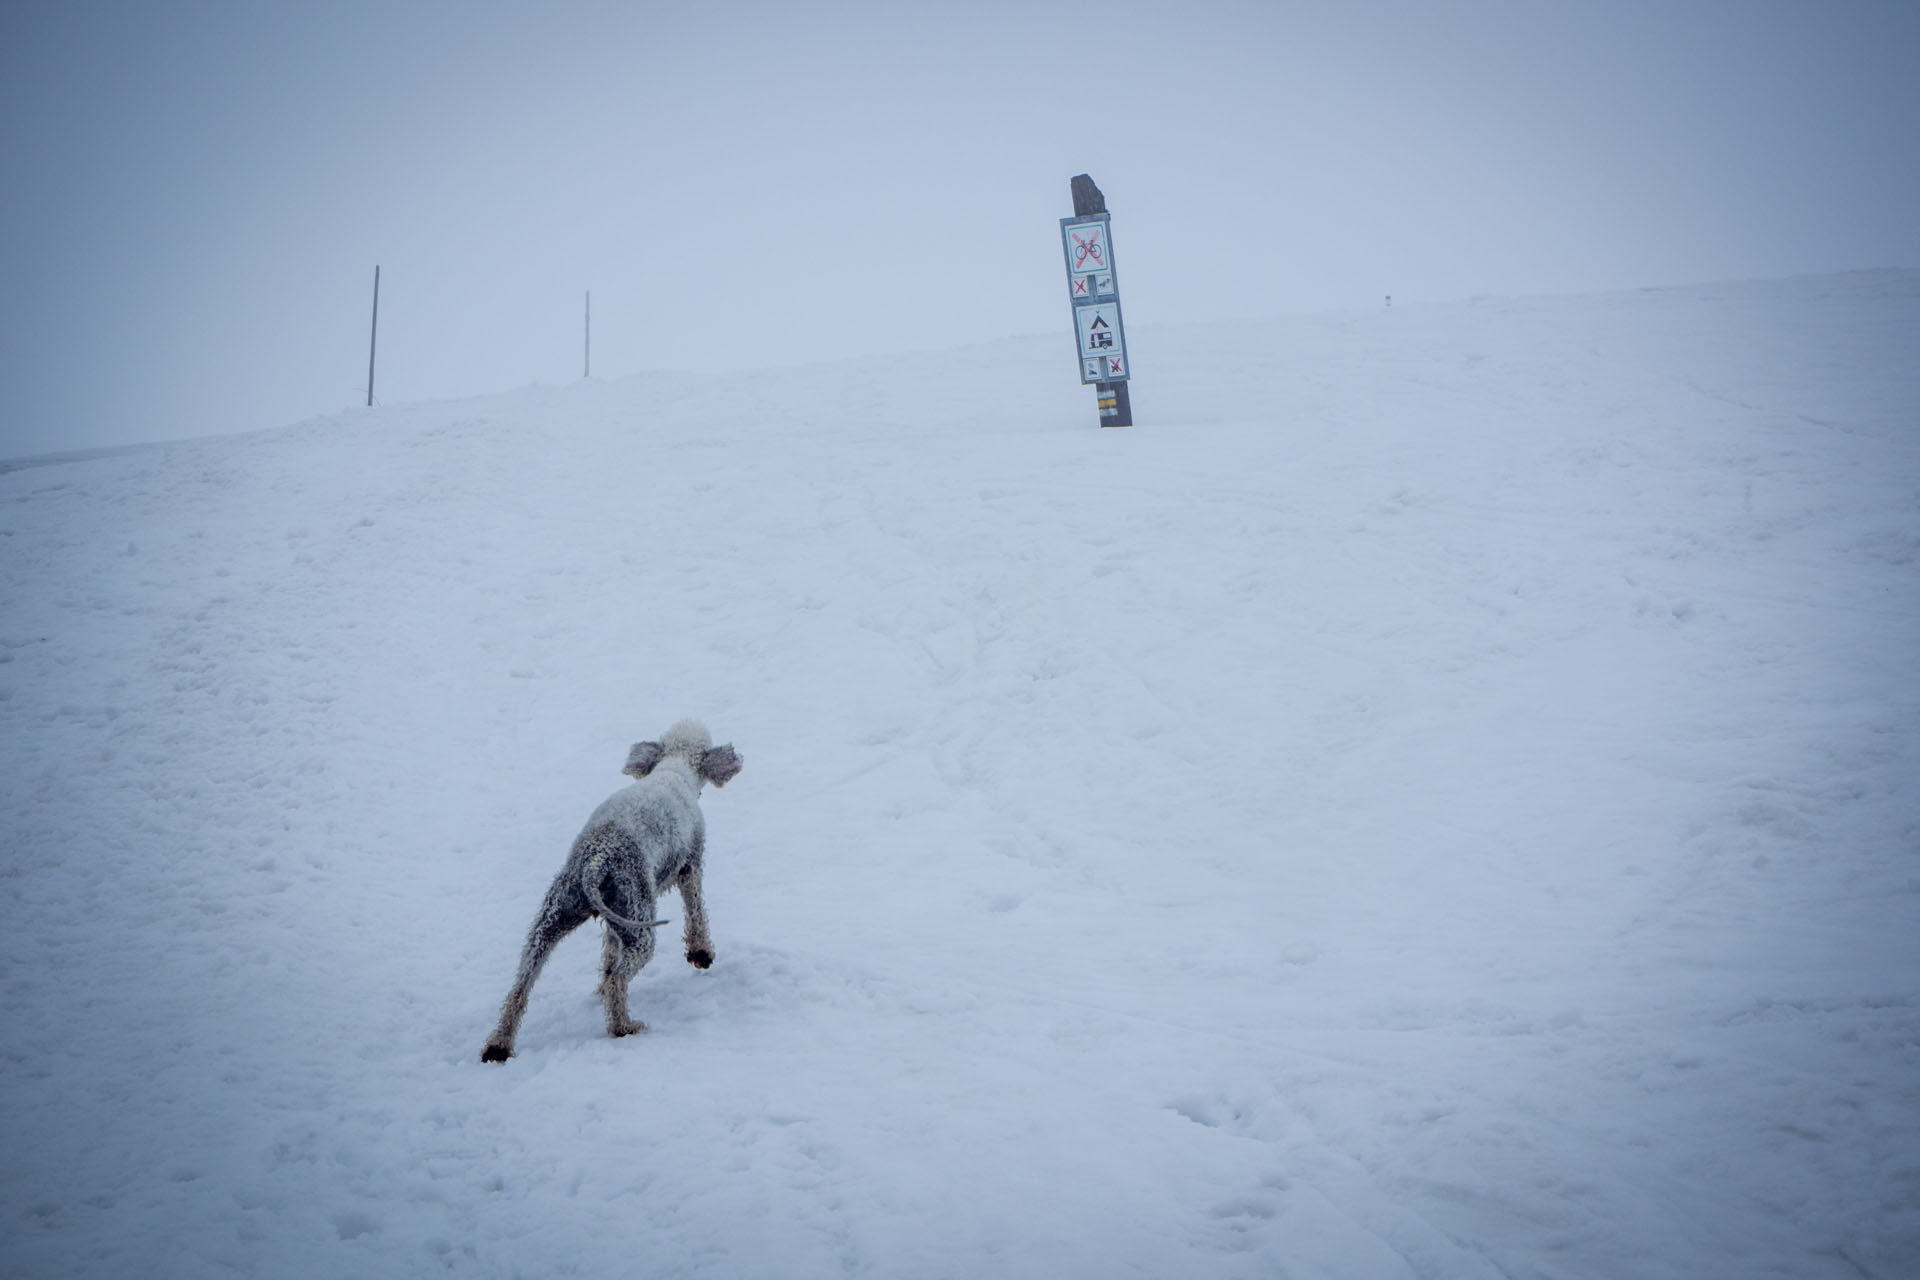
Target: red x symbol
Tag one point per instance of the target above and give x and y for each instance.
(1080, 285)
(1088, 248)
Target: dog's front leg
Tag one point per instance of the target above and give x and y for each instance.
(699, 945)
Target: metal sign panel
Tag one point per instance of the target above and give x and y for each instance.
(1103, 347)
(1091, 288)
(1086, 245)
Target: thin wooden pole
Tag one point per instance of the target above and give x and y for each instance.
(373, 341)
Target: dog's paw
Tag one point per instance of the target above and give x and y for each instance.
(495, 1053)
(627, 1028)
(699, 957)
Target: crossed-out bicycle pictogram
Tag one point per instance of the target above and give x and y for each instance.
(1088, 248)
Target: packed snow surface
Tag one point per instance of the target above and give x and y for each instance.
(1440, 797)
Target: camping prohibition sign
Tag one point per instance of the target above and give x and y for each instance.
(1087, 238)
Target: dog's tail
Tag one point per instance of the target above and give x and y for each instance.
(590, 883)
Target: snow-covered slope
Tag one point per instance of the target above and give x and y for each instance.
(1436, 799)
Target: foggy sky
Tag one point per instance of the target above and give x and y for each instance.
(195, 194)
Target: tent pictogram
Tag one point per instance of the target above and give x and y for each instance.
(1099, 330)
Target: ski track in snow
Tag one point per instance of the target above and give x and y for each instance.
(1437, 799)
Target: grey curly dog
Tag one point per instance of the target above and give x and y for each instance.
(641, 841)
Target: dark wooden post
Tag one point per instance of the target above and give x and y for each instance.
(1096, 301)
(373, 340)
(1087, 199)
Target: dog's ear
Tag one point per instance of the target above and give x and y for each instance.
(642, 758)
(719, 764)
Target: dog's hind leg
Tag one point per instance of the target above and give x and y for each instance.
(623, 954)
(564, 910)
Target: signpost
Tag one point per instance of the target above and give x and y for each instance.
(373, 336)
(1088, 241)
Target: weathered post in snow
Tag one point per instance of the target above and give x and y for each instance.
(373, 337)
(1095, 294)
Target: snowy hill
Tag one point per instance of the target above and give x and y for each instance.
(1436, 799)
